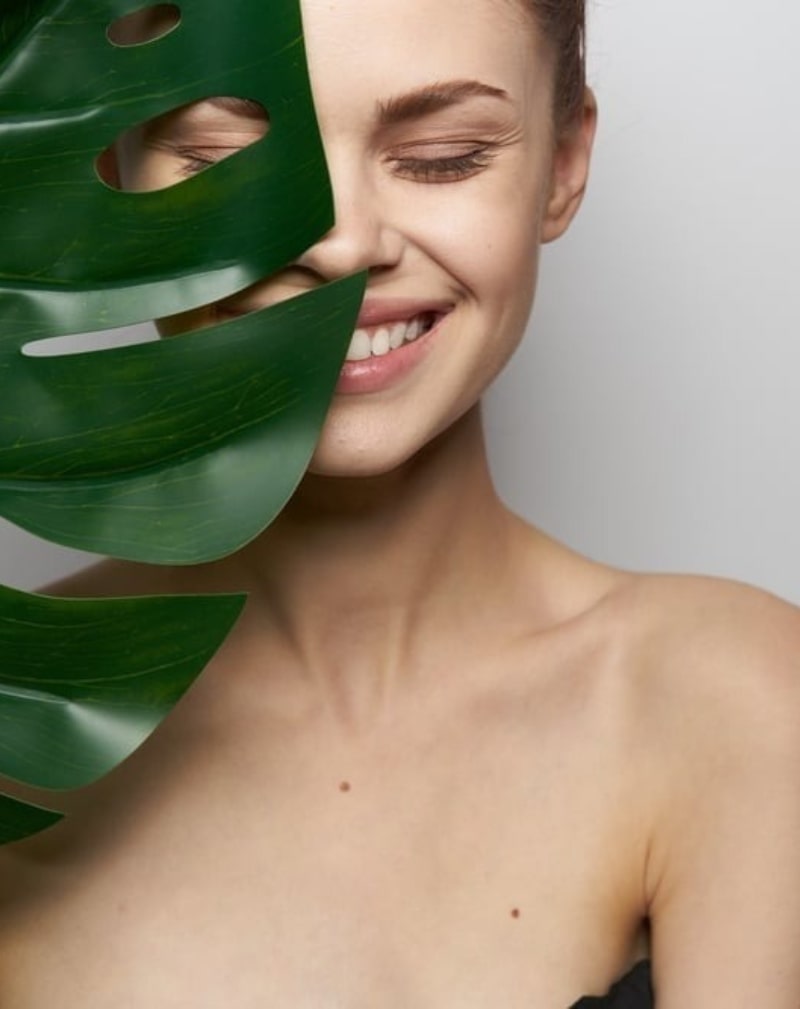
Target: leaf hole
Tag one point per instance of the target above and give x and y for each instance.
(176, 145)
(148, 24)
(85, 343)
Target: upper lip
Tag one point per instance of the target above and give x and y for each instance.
(384, 311)
(374, 311)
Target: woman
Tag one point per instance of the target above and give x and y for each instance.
(443, 761)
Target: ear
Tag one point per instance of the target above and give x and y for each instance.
(570, 171)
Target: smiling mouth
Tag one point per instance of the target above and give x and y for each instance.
(378, 341)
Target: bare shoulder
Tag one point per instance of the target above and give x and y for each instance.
(695, 667)
(712, 676)
(714, 671)
(729, 647)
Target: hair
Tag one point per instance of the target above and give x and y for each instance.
(563, 24)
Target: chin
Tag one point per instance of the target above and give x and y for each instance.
(358, 441)
(368, 450)
(379, 448)
(354, 464)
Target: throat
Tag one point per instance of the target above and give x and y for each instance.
(370, 581)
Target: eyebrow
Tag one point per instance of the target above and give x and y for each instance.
(432, 98)
(239, 106)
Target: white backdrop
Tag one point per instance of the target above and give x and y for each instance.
(650, 418)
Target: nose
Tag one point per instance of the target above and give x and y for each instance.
(362, 237)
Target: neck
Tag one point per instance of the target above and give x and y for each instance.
(361, 577)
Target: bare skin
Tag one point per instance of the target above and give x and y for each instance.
(226, 859)
(442, 761)
(351, 812)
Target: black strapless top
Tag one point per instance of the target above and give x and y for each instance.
(634, 991)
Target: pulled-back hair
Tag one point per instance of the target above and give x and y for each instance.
(563, 23)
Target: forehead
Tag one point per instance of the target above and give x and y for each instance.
(368, 52)
(379, 48)
(362, 16)
(427, 24)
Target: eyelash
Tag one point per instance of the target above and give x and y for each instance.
(193, 164)
(425, 170)
(440, 170)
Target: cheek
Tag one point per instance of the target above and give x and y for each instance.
(131, 163)
(140, 169)
(491, 259)
(150, 174)
(497, 262)
(484, 233)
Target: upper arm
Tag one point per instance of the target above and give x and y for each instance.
(723, 873)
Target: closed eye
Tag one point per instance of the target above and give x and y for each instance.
(444, 169)
(193, 161)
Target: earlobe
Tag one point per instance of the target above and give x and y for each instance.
(570, 171)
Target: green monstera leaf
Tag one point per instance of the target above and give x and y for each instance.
(171, 452)
(175, 453)
(84, 683)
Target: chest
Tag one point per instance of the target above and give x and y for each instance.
(476, 877)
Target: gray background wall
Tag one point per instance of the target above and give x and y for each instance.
(651, 417)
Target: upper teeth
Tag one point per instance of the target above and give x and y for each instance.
(379, 340)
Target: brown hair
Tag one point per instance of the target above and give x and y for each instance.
(563, 23)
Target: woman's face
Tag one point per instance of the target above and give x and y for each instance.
(437, 125)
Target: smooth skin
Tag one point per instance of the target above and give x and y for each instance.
(443, 761)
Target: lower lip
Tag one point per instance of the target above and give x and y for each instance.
(375, 374)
